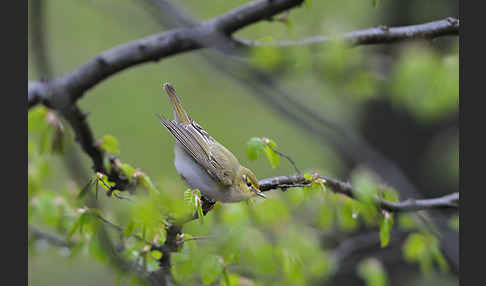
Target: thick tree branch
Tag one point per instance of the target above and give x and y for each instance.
(250, 13)
(67, 89)
(298, 180)
(85, 138)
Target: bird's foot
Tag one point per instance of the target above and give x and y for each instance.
(207, 204)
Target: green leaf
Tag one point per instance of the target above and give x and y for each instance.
(147, 182)
(97, 250)
(232, 279)
(211, 269)
(45, 138)
(406, 221)
(136, 281)
(74, 228)
(185, 264)
(37, 118)
(129, 229)
(200, 213)
(104, 178)
(272, 157)
(308, 177)
(272, 213)
(362, 85)
(198, 205)
(389, 194)
(386, 224)
(128, 170)
(371, 270)
(291, 261)
(366, 186)
(267, 57)
(232, 256)
(339, 61)
(424, 249)
(270, 142)
(255, 148)
(425, 83)
(156, 254)
(192, 199)
(197, 193)
(325, 217)
(439, 258)
(226, 276)
(345, 217)
(45, 208)
(110, 144)
(76, 249)
(414, 247)
(188, 197)
(85, 219)
(315, 186)
(95, 212)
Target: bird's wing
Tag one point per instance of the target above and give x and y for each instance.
(196, 142)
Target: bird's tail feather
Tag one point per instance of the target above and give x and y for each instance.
(179, 112)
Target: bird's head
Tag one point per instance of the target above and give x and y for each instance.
(247, 183)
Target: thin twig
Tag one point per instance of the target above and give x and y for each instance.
(195, 238)
(377, 35)
(286, 157)
(297, 180)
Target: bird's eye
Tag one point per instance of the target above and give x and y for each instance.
(248, 184)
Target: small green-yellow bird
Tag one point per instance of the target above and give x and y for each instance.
(205, 164)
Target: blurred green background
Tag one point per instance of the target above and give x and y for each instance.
(418, 80)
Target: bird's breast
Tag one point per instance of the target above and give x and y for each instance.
(195, 176)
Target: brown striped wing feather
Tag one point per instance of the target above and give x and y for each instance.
(199, 144)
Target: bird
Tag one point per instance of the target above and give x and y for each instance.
(205, 164)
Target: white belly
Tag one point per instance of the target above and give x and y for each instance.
(196, 177)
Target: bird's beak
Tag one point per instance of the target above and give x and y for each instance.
(260, 194)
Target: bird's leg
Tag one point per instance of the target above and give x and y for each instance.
(207, 204)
